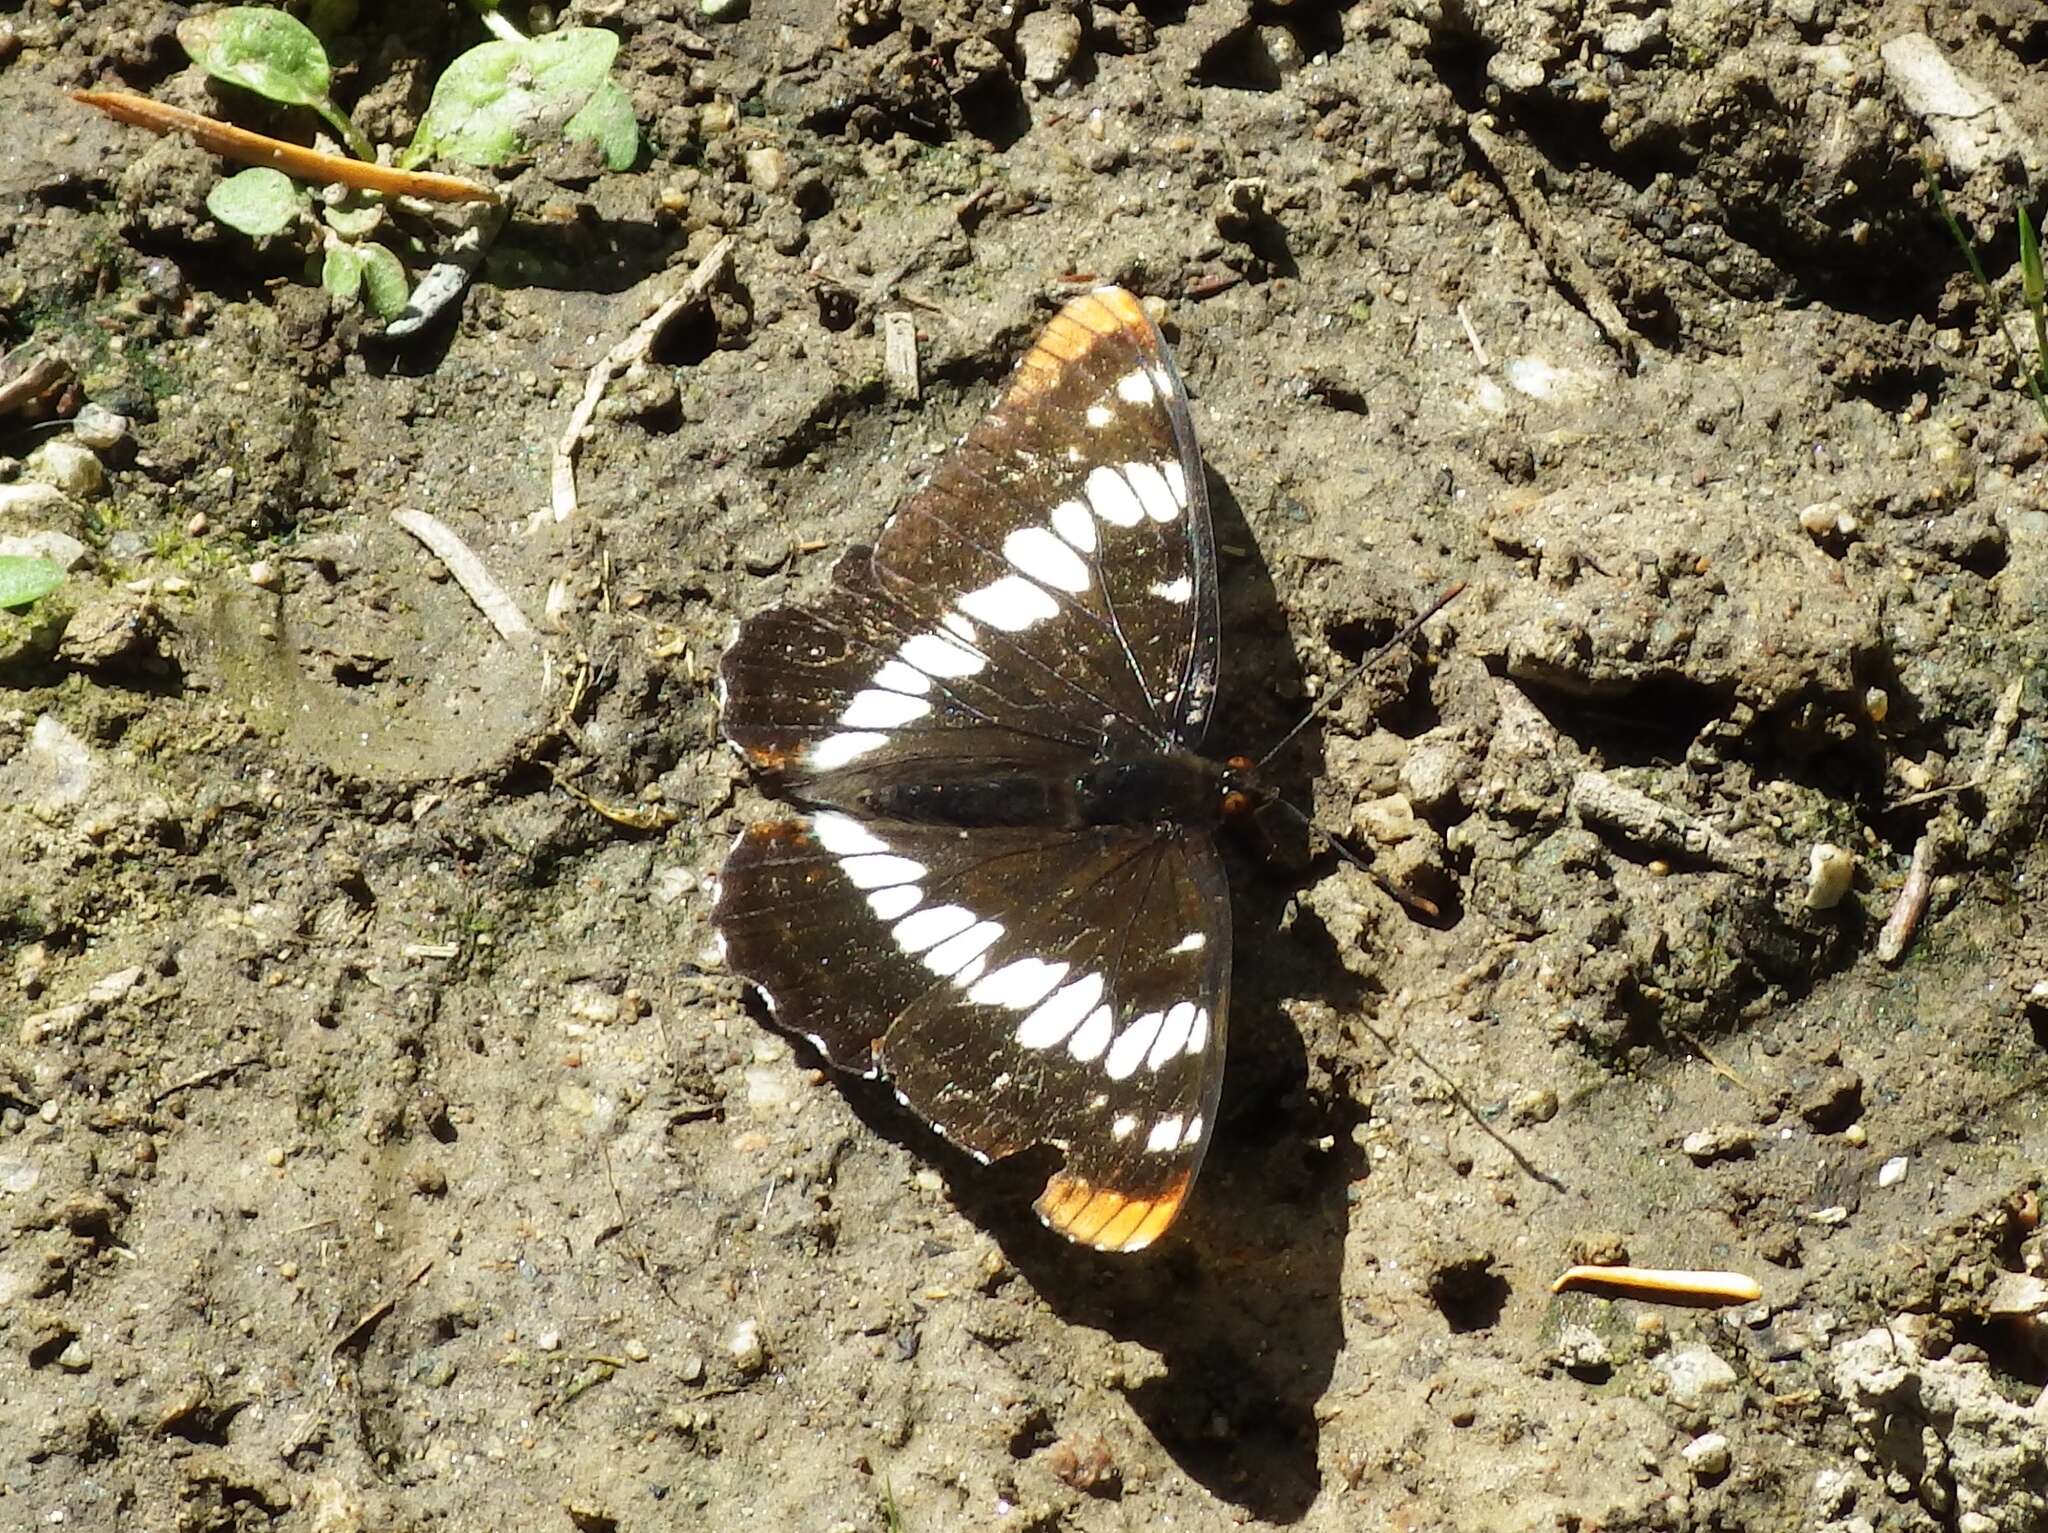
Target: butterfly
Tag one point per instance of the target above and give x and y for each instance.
(1003, 891)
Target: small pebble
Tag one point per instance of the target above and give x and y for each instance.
(636, 1350)
(74, 1358)
(692, 1369)
(1876, 704)
(1050, 42)
(1892, 1172)
(99, 428)
(273, 1157)
(549, 1341)
(196, 525)
(1722, 1141)
(1830, 870)
(263, 573)
(72, 468)
(745, 1347)
(722, 10)
(767, 168)
(1538, 1104)
(1707, 1456)
(289, 1271)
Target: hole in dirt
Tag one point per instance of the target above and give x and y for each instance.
(688, 339)
(1469, 1294)
(993, 109)
(2009, 1347)
(1653, 724)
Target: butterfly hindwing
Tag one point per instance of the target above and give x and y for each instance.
(1019, 987)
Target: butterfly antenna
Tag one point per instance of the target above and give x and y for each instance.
(1329, 699)
(1426, 908)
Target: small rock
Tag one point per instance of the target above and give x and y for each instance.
(1084, 1463)
(99, 428)
(1830, 869)
(1720, 1141)
(767, 168)
(429, 1180)
(1050, 43)
(1892, 1172)
(115, 630)
(867, 15)
(1386, 821)
(722, 10)
(1432, 774)
(1538, 1104)
(2016, 1295)
(74, 1358)
(1581, 1352)
(1691, 1374)
(748, 1352)
(264, 574)
(60, 548)
(549, 1341)
(71, 467)
(110, 988)
(691, 1369)
(1707, 1456)
(37, 503)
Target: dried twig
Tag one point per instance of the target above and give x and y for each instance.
(377, 1311)
(247, 148)
(1664, 1285)
(633, 348)
(1911, 904)
(205, 1078)
(477, 582)
(1567, 267)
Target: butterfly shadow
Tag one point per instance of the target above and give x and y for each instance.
(1241, 1301)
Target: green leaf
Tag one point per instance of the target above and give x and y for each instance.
(607, 121)
(259, 49)
(500, 97)
(354, 220)
(2032, 283)
(384, 286)
(24, 579)
(341, 273)
(258, 202)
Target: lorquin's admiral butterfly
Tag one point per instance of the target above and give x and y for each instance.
(1006, 895)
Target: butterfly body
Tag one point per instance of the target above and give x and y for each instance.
(1005, 894)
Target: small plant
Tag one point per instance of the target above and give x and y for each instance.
(25, 579)
(491, 103)
(2033, 293)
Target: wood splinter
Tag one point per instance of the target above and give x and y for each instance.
(1662, 1285)
(248, 148)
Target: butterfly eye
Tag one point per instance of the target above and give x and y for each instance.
(1241, 764)
(1236, 804)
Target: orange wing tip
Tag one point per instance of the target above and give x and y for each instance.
(1662, 1284)
(1077, 326)
(1105, 1219)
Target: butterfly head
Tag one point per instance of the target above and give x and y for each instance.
(1243, 795)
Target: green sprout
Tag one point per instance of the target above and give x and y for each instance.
(2033, 293)
(493, 102)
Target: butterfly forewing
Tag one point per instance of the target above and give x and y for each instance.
(1078, 507)
(957, 913)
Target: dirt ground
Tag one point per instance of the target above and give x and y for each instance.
(382, 1144)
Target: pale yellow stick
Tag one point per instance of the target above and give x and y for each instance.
(1665, 1284)
(317, 166)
